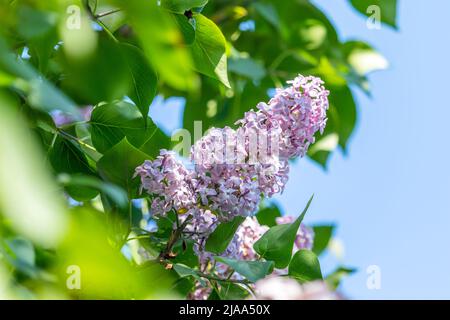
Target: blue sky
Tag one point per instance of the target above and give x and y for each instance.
(390, 196)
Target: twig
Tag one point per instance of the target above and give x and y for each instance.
(214, 278)
(173, 239)
(98, 21)
(104, 14)
(78, 140)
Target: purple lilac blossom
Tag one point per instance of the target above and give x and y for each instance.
(229, 177)
(168, 182)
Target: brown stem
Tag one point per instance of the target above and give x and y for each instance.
(165, 254)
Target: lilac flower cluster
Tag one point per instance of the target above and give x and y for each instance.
(234, 168)
(169, 184)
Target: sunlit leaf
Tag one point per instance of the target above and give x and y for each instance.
(305, 266)
(363, 58)
(208, 50)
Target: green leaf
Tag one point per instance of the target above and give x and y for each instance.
(322, 148)
(267, 215)
(107, 273)
(28, 200)
(45, 96)
(322, 236)
(334, 279)
(247, 67)
(42, 94)
(185, 253)
(214, 295)
(209, 50)
(343, 103)
(101, 76)
(252, 270)
(165, 225)
(39, 29)
(186, 27)
(218, 240)
(305, 266)
(82, 181)
(67, 157)
(268, 12)
(180, 6)
(184, 271)
(42, 49)
(143, 79)
(110, 123)
(35, 23)
(20, 253)
(118, 165)
(277, 243)
(112, 21)
(165, 49)
(295, 18)
(363, 58)
(183, 286)
(388, 9)
(231, 291)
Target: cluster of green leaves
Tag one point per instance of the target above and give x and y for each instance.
(221, 56)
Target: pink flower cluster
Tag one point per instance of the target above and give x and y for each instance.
(234, 168)
(168, 182)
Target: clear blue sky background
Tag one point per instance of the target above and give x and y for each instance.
(390, 197)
